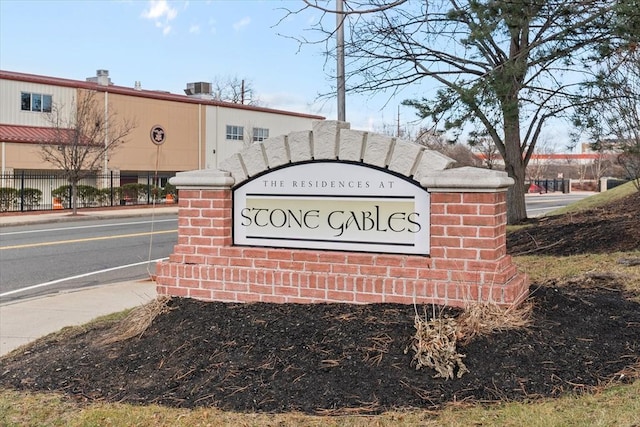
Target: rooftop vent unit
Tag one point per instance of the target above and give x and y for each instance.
(198, 88)
(102, 78)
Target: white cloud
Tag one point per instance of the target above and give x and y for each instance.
(194, 29)
(161, 13)
(242, 23)
(292, 101)
(158, 9)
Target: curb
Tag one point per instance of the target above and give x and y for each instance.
(55, 217)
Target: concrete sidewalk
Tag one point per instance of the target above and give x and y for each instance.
(24, 321)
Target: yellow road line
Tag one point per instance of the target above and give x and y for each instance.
(89, 239)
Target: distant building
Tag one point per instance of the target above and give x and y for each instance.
(557, 159)
(200, 131)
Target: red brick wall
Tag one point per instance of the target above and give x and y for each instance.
(468, 260)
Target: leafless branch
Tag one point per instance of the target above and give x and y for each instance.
(380, 8)
(85, 133)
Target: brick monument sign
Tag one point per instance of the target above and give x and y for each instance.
(338, 215)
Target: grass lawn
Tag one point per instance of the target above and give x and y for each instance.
(613, 406)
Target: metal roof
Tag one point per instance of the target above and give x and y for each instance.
(30, 134)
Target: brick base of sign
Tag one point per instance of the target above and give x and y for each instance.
(467, 262)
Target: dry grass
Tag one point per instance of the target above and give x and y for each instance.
(484, 318)
(434, 345)
(136, 322)
(435, 341)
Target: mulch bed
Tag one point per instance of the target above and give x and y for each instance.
(339, 358)
(610, 228)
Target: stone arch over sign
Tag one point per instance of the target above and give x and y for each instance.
(466, 258)
(334, 141)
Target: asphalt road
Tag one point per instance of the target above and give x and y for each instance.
(540, 204)
(38, 259)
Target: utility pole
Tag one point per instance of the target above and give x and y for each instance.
(340, 60)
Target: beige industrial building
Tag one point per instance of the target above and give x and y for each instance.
(200, 132)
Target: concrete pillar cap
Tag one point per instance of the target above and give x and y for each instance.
(202, 179)
(466, 179)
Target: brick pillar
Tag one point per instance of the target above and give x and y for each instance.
(468, 236)
(204, 226)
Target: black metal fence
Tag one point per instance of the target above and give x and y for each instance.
(31, 191)
(613, 183)
(549, 186)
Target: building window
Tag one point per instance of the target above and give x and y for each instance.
(35, 102)
(235, 132)
(260, 134)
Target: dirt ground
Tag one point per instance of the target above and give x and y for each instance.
(338, 358)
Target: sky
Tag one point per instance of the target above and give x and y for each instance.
(166, 44)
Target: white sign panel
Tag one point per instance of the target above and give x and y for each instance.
(334, 206)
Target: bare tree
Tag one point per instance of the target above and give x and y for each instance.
(580, 169)
(613, 122)
(435, 140)
(488, 150)
(253, 133)
(538, 165)
(630, 161)
(602, 164)
(500, 64)
(84, 136)
(234, 89)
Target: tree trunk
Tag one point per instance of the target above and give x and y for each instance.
(74, 197)
(515, 168)
(516, 206)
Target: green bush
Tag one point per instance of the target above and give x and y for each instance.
(104, 196)
(156, 193)
(8, 197)
(132, 192)
(64, 194)
(31, 197)
(150, 192)
(170, 189)
(88, 195)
